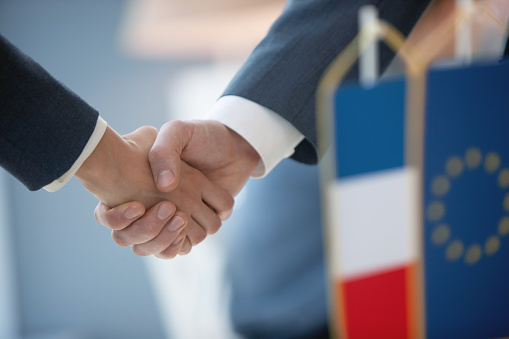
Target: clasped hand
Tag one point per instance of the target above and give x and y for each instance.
(171, 189)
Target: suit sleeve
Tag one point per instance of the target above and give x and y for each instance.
(43, 125)
(283, 71)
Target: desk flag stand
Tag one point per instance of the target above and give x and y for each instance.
(415, 184)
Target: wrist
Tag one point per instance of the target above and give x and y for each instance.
(99, 166)
(118, 170)
(245, 150)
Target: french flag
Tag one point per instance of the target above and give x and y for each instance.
(374, 254)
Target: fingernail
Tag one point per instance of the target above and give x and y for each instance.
(165, 178)
(176, 223)
(132, 212)
(165, 211)
(178, 240)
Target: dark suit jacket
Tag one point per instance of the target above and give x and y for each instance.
(283, 71)
(43, 125)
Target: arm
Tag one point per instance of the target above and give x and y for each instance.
(43, 126)
(223, 156)
(283, 71)
(281, 75)
(118, 171)
(44, 129)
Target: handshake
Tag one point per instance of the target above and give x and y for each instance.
(163, 193)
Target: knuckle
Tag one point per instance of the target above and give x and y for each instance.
(186, 248)
(157, 152)
(115, 225)
(214, 226)
(97, 216)
(101, 216)
(167, 125)
(138, 250)
(166, 256)
(199, 237)
(119, 239)
(229, 203)
(109, 220)
(152, 129)
(224, 216)
(171, 127)
(149, 130)
(149, 229)
(159, 245)
(168, 253)
(173, 124)
(226, 205)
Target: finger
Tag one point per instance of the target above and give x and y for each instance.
(196, 233)
(164, 157)
(207, 219)
(147, 227)
(171, 251)
(167, 237)
(217, 199)
(119, 217)
(195, 183)
(186, 247)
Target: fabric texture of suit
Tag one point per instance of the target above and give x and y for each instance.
(44, 126)
(283, 71)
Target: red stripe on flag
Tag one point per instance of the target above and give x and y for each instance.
(376, 306)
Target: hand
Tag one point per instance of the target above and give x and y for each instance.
(163, 242)
(118, 170)
(218, 152)
(221, 154)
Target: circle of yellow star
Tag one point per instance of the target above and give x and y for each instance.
(436, 210)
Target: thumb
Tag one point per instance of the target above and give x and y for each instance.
(164, 157)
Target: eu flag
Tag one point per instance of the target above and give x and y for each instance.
(466, 202)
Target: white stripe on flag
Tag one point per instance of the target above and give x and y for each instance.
(373, 218)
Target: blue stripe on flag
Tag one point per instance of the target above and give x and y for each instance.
(369, 127)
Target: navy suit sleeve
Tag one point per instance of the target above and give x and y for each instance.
(283, 71)
(43, 126)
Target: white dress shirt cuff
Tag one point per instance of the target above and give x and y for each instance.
(273, 137)
(92, 143)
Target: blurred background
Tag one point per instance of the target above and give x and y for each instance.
(142, 63)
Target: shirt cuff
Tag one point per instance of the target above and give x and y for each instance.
(92, 143)
(273, 137)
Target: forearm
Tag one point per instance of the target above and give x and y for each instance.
(43, 126)
(100, 164)
(283, 72)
